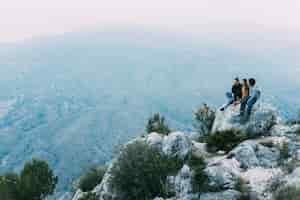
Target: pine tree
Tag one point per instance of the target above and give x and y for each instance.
(37, 180)
(157, 124)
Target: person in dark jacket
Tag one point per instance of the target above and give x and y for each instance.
(235, 95)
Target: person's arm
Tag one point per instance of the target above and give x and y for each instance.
(255, 94)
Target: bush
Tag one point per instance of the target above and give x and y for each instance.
(91, 179)
(200, 179)
(9, 186)
(287, 192)
(141, 172)
(157, 124)
(204, 118)
(225, 140)
(89, 196)
(35, 182)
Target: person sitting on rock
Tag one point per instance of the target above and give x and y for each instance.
(235, 95)
(245, 91)
(251, 99)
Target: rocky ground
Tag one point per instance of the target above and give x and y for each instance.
(258, 162)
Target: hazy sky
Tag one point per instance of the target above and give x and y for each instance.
(21, 19)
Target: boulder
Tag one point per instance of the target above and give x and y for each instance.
(199, 150)
(259, 180)
(261, 121)
(251, 154)
(278, 141)
(155, 140)
(268, 157)
(284, 130)
(106, 190)
(183, 184)
(177, 144)
(245, 154)
(223, 173)
(225, 195)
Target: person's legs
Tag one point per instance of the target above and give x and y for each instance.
(230, 100)
(250, 105)
(243, 105)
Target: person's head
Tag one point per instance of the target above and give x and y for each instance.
(236, 81)
(252, 82)
(245, 81)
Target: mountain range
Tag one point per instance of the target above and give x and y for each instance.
(72, 99)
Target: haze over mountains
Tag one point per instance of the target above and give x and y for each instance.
(71, 99)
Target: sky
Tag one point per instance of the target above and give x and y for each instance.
(21, 20)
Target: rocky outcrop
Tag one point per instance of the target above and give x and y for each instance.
(79, 194)
(200, 150)
(254, 161)
(223, 173)
(177, 144)
(155, 140)
(262, 120)
(284, 130)
(183, 184)
(106, 190)
(259, 180)
(251, 154)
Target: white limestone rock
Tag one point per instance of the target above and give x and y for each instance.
(177, 144)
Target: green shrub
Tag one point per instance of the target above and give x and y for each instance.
(9, 186)
(204, 118)
(288, 193)
(35, 182)
(91, 179)
(157, 124)
(199, 179)
(141, 172)
(225, 140)
(89, 196)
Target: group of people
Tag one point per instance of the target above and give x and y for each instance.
(246, 94)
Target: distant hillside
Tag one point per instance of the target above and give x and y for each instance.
(79, 95)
